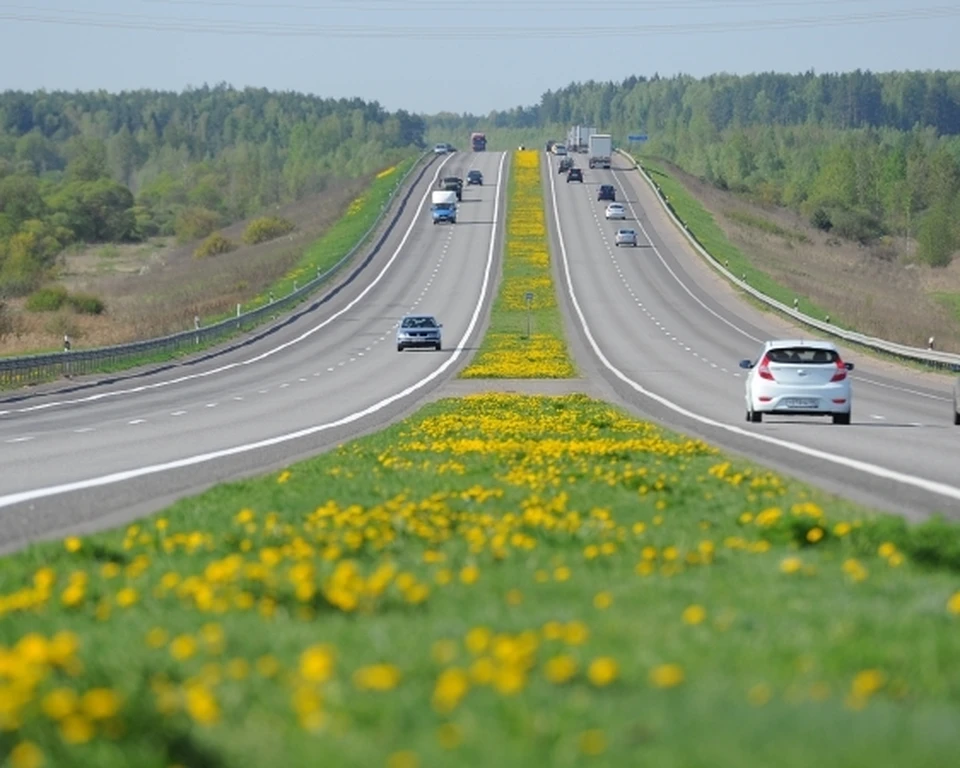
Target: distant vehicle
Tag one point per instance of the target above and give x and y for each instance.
(549, 145)
(578, 136)
(600, 149)
(798, 378)
(606, 192)
(443, 207)
(575, 174)
(474, 177)
(565, 165)
(626, 237)
(615, 211)
(452, 184)
(419, 331)
(956, 403)
(441, 149)
(478, 141)
(559, 150)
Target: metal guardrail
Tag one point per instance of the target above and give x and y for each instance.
(928, 357)
(29, 369)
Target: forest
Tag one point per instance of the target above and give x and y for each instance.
(101, 167)
(864, 155)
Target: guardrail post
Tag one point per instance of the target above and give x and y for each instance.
(196, 327)
(930, 343)
(796, 303)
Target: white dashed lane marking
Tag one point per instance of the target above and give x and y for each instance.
(19, 439)
(137, 421)
(633, 295)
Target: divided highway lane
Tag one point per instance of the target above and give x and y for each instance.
(666, 334)
(73, 461)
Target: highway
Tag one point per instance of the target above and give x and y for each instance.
(665, 334)
(79, 460)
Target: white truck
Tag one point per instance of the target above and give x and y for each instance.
(443, 207)
(578, 136)
(599, 150)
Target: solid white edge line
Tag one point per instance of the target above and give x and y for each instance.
(733, 325)
(931, 486)
(117, 477)
(309, 332)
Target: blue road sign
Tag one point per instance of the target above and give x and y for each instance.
(637, 137)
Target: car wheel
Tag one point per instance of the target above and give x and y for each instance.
(956, 417)
(438, 346)
(756, 417)
(399, 347)
(841, 418)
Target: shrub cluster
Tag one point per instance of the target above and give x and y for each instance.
(55, 297)
(267, 228)
(214, 245)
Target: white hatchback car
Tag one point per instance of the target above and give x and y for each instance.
(626, 237)
(616, 211)
(798, 378)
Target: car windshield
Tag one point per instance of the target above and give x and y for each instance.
(419, 322)
(803, 355)
(626, 232)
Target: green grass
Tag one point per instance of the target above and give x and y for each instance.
(951, 301)
(337, 241)
(499, 514)
(524, 340)
(708, 233)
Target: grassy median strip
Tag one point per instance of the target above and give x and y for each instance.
(499, 581)
(525, 338)
(704, 228)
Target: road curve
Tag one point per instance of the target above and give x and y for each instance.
(665, 334)
(74, 461)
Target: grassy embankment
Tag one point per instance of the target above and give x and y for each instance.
(320, 256)
(336, 243)
(507, 351)
(499, 581)
(704, 228)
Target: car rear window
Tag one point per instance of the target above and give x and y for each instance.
(803, 355)
(419, 322)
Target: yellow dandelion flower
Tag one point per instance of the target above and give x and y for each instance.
(469, 574)
(59, 703)
(76, 729)
(514, 597)
(183, 647)
(26, 754)
(759, 694)
(667, 675)
(561, 574)
(72, 544)
(451, 686)
(694, 614)
(127, 597)
(841, 529)
(403, 759)
(814, 535)
(560, 669)
(100, 703)
(886, 549)
(202, 705)
(450, 735)
(377, 677)
(316, 663)
(602, 600)
(791, 564)
(953, 604)
(603, 671)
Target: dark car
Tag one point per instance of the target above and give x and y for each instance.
(575, 175)
(452, 184)
(606, 192)
(474, 177)
(565, 165)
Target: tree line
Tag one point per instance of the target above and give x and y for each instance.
(99, 167)
(865, 155)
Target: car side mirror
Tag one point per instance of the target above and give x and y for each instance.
(746, 364)
(848, 366)
(439, 325)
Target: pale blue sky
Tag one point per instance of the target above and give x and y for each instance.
(455, 55)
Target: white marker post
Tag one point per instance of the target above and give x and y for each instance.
(529, 299)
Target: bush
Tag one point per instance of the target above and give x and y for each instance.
(86, 304)
(195, 223)
(214, 245)
(856, 225)
(267, 228)
(821, 220)
(48, 299)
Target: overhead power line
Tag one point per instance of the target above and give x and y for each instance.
(515, 5)
(294, 30)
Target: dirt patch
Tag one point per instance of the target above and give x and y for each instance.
(157, 287)
(876, 289)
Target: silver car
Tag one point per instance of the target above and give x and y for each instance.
(626, 237)
(419, 331)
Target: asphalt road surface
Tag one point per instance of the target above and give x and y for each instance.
(666, 333)
(82, 459)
